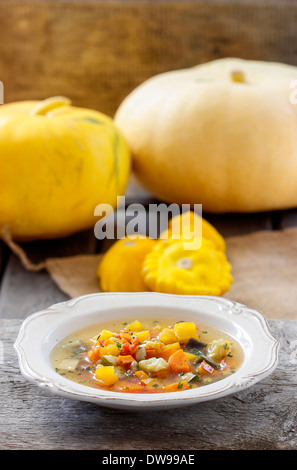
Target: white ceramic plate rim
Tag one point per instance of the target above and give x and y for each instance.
(254, 332)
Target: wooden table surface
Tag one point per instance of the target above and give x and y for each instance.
(262, 417)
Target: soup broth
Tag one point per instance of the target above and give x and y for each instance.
(147, 356)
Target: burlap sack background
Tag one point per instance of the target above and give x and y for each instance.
(264, 269)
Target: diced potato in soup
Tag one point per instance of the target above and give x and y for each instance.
(147, 356)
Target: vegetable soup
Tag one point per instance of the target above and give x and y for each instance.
(147, 356)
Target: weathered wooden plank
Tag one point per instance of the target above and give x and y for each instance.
(262, 417)
(22, 291)
(96, 52)
(82, 243)
(239, 224)
(287, 219)
(3, 257)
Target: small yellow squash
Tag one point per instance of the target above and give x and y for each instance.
(120, 267)
(185, 224)
(169, 268)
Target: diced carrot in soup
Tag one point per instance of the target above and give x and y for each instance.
(123, 360)
(178, 362)
(205, 368)
(176, 387)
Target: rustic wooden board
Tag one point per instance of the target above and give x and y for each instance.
(3, 258)
(287, 219)
(24, 292)
(96, 52)
(239, 224)
(262, 417)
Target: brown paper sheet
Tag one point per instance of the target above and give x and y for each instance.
(264, 270)
(75, 275)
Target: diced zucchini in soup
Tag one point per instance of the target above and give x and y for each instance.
(119, 372)
(72, 344)
(108, 360)
(188, 377)
(217, 349)
(140, 354)
(153, 365)
(68, 364)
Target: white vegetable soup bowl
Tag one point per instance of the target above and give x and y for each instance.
(41, 331)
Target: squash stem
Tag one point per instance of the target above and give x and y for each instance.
(45, 106)
(237, 76)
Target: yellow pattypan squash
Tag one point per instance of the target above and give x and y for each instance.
(120, 267)
(169, 268)
(185, 223)
(58, 162)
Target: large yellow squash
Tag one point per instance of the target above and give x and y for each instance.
(57, 162)
(223, 134)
